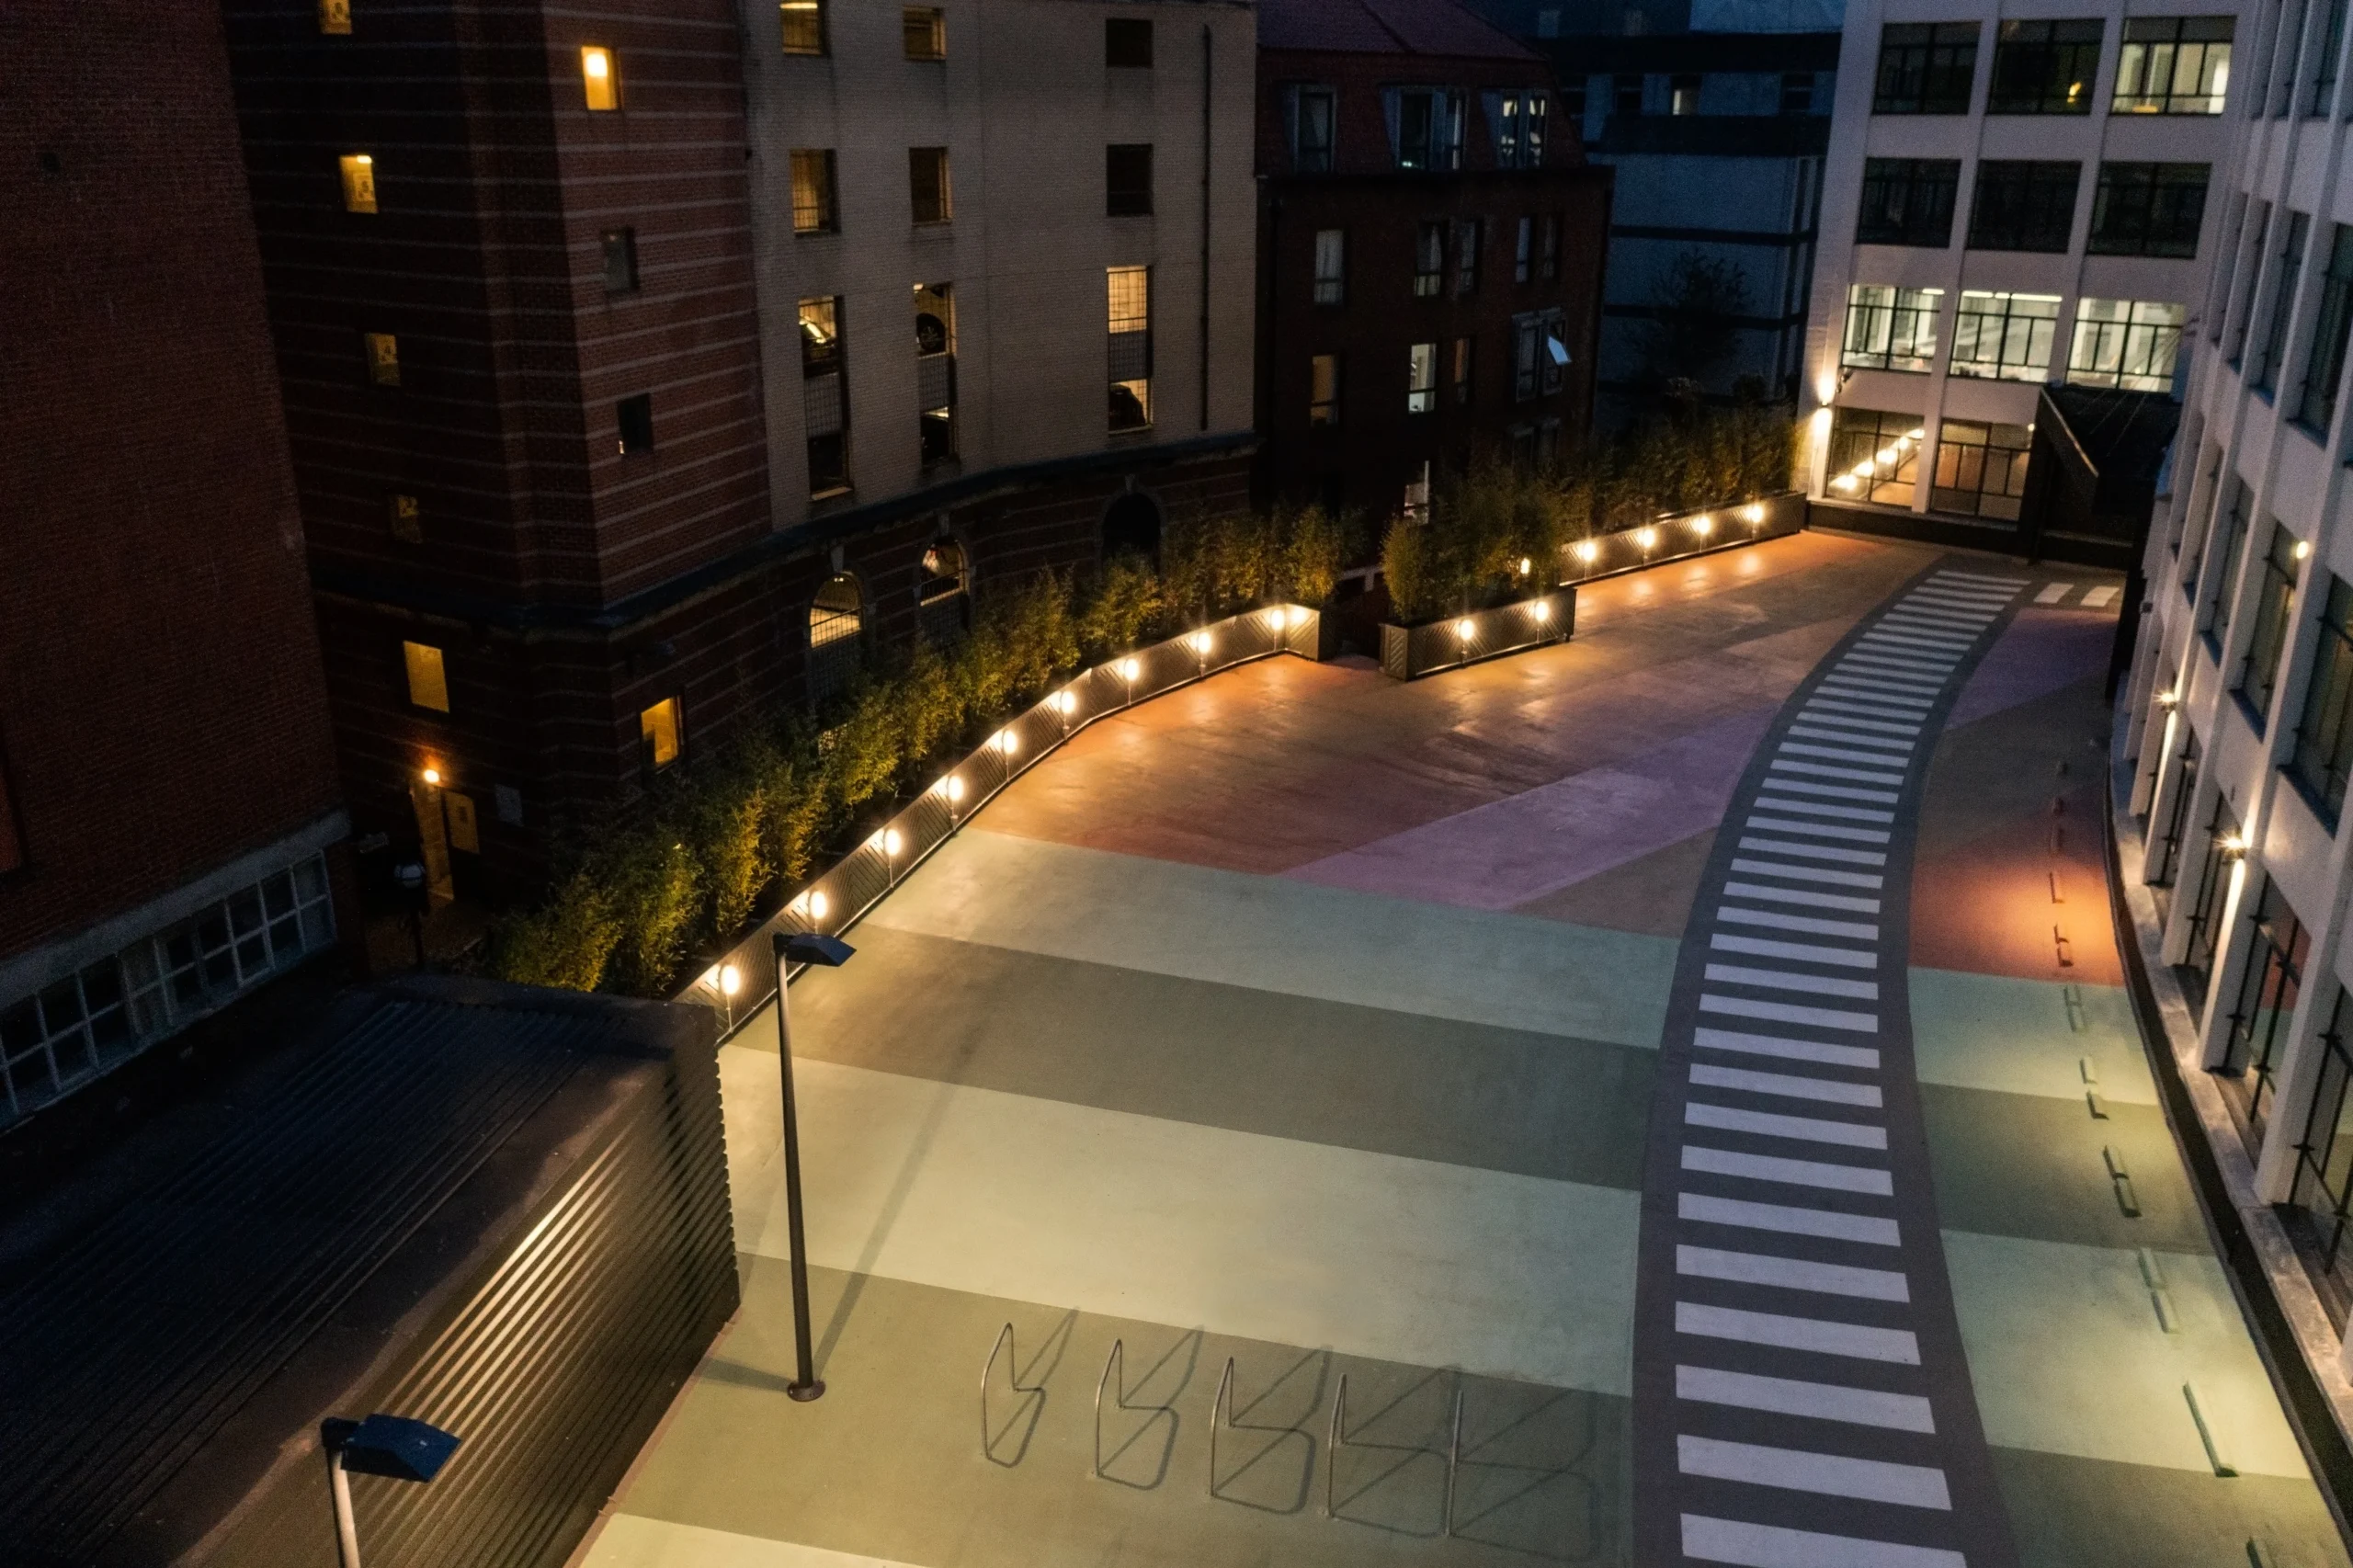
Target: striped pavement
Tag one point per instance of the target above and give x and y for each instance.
(1801, 1395)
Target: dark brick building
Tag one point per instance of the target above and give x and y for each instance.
(1430, 249)
(168, 803)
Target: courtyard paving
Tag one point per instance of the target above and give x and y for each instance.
(1345, 1033)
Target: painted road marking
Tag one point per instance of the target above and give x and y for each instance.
(1771, 1124)
(1800, 952)
(1821, 1335)
(1783, 1012)
(1863, 1056)
(1788, 1219)
(1748, 1080)
(1790, 1173)
(1770, 1546)
(1794, 1396)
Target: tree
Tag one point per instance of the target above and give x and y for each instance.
(1694, 325)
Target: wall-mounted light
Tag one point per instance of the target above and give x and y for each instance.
(1464, 629)
(2304, 548)
(2168, 700)
(730, 979)
(1541, 610)
(2231, 846)
(1130, 669)
(432, 776)
(1587, 550)
(1646, 536)
(1200, 639)
(1703, 525)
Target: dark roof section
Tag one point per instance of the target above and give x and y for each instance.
(1672, 53)
(1409, 27)
(164, 1353)
(1713, 135)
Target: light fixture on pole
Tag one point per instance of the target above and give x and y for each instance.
(830, 952)
(390, 1446)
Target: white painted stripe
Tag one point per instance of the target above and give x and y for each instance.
(1846, 697)
(2098, 598)
(1796, 952)
(1858, 1340)
(1837, 715)
(1793, 1173)
(1771, 1124)
(1864, 751)
(1784, 980)
(1794, 1274)
(1824, 830)
(633, 1540)
(1918, 631)
(1782, 1013)
(1875, 746)
(1833, 791)
(1770, 1546)
(1907, 665)
(1908, 641)
(1906, 682)
(1788, 1219)
(1823, 770)
(1800, 897)
(1776, 920)
(1862, 1056)
(1794, 1470)
(1791, 1396)
(1816, 851)
(1814, 809)
(1933, 612)
(1953, 573)
(2054, 592)
(1807, 873)
(1833, 1091)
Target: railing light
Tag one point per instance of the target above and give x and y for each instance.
(1541, 610)
(1006, 741)
(1465, 629)
(730, 979)
(1066, 703)
(891, 841)
(1703, 525)
(1202, 639)
(1130, 669)
(1587, 550)
(952, 786)
(1752, 514)
(1646, 536)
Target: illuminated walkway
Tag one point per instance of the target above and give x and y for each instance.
(1314, 1021)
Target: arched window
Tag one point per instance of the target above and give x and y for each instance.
(941, 591)
(1131, 528)
(835, 622)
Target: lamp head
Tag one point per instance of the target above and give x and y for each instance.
(808, 947)
(390, 1445)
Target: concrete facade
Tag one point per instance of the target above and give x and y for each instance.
(1929, 344)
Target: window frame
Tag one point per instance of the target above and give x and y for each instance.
(1969, 447)
(2325, 346)
(2148, 209)
(1421, 378)
(816, 195)
(923, 34)
(819, 28)
(620, 243)
(2274, 617)
(2320, 761)
(1329, 287)
(1902, 85)
(2155, 46)
(2030, 186)
(634, 425)
(1888, 314)
(1322, 391)
(1117, 28)
(2037, 71)
(1123, 195)
(425, 673)
(2016, 357)
(941, 192)
(2286, 283)
(2137, 342)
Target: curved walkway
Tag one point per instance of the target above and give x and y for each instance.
(1322, 1025)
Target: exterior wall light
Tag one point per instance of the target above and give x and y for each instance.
(2304, 548)
(2231, 846)
(1005, 742)
(2168, 700)
(1464, 629)
(1647, 538)
(1587, 550)
(1541, 610)
(1703, 525)
(432, 776)
(1129, 670)
(1200, 639)
(730, 979)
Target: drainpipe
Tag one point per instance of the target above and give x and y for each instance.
(1206, 62)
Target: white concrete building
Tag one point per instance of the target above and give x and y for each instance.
(2016, 196)
(2237, 721)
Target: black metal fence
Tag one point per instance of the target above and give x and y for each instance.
(1410, 652)
(1684, 535)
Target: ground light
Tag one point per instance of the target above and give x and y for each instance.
(830, 952)
(390, 1446)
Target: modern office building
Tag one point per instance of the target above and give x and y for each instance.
(586, 315)
(170, 828)
(2237, 721)
(2008, 203)
(1430, 252)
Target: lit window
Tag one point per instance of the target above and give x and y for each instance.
(1128, 291)
(2176, 65)
(1682, 95)
(1324, 389)
(335, 17)
(428, 685)
(358, 182)
(634, 415)
(406, 517)
(2130, 344)
(825, 411)
(600, 77)
(804, 27)
(924, 28)
(927, 184)
(1421, 382)
(2004, 336)
(383, 357)
(1889, 328)
(658, 728)
(1331, 265)
(812, 191)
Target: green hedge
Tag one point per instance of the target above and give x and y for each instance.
(643, 891)
(1488, 519)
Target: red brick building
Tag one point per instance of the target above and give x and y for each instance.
(1430, 249)
(169, 813)
(543, 309)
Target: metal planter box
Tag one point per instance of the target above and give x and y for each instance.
(1408, 653)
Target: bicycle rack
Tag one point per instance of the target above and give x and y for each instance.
(1119, 1358)
(1004, 1338)
(1217, 1419)
(1338, 1439)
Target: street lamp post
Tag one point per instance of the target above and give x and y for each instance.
(803, 946)
(381, 1445)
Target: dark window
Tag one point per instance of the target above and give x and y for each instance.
(1458, 374)
(1981, 469)
(824, 406)
(2185, 789)
(2148, 209)
(621, 261)
(1331, 286)
(634, 414)
(1908, 201)
(2286, 273)
(936, 371)
(1429, 261)
(812, 191)
(2284, 45)
(1427, 125)
(2324, 89)
(2216, 868)
(1314, 111)
(1926, 68)
(2222, 565)
(1126, 179)
(2323, 760)
(2044, 67)
(2325, 352)
(1527, 344)
(1682, 95)
(1323, 389)
(1523, 250)
(2266, 999)
(927, 184)
(2323, 1191)
(836, 618)
(2173, 65)
(924, 31)
(1126, 42)
(1548, 247)
(2275, 598)
(2218, 284)
(1573, 103)
(1797, 92)
(2023, 206)
(1466, 256)
(1626, 96)
(2250, 270)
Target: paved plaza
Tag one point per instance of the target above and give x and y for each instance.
(1678, 1082)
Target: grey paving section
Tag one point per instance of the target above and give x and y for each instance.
(1352, 1076)
(889, 1466)
(1801, 1393)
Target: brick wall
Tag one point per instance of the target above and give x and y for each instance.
(162, 708)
